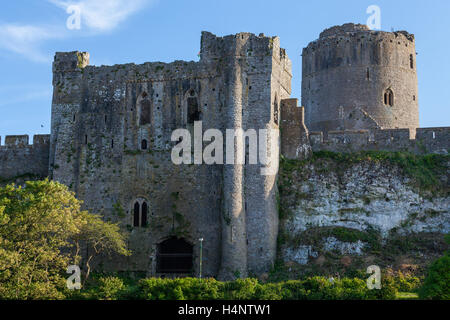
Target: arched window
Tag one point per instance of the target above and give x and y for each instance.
(193, 109)
(389, 97)
(140, 213)
(144, 110)
(144, 211)
(144, 145)
(136, 221)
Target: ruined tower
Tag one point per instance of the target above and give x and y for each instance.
(354, 78)
(111, 144)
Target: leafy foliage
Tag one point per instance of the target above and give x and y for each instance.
(314, 288)
(424, 170)
(437, 282)
(110, 288)
(39, 224)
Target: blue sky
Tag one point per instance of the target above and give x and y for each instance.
(122, 31)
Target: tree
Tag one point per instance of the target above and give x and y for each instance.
(39, 224)
(100, 237)
(437, 281)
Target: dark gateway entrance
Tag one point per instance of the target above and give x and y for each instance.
(174, 256)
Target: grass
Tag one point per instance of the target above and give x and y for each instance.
(407, 296)
(425, 171)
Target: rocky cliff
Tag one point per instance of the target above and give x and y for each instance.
(343, 212)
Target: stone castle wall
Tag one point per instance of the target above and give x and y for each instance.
(297, 141)
(19, 158)
(426, 140)
(110, 138)
(98, 133)
(346, 73)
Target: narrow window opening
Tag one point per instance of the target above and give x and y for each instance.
(275, 111)
(144, 214)
(85, 139)
(112, 144)
(411, 61)
(434, 135)
(194, 113)
(106, 118)
(144, 144)
(145, 112)
(74, 118)
(136, 215)
(389, 97)
(368, 74)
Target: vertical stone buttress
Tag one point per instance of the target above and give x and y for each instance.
(234, 231)
(66, 104)
(250, 214)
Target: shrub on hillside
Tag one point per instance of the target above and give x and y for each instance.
(180, 289)
(437, 281)
(315, 288)
(110, 288)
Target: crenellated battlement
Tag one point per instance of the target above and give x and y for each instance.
(373, 73)
(19, 158)
(426, 140)
(22, 141)
(241, 44)
(111, 129)
(297, 140)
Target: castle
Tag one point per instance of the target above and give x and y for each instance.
(111, 127)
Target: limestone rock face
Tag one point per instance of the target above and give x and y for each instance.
(351, 211)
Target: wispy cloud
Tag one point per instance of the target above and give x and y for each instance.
(26, 39)
(19, 94)
(97, 16)
(100, 15)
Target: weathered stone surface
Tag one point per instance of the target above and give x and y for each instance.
(19, 158)
(110, 142)
(98, 129)
(366, 197)
(346, 73)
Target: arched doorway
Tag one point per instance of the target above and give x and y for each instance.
(174, 256)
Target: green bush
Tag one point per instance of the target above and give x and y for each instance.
(437, 281)
(180, 289)
(240, 289)
(110, 288)
(407, 283)
(315, 288)
(269, 291)
(388, 289)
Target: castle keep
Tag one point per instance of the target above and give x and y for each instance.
(354, 78)
(111, 127)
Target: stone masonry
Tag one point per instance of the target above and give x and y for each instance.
(111, 128)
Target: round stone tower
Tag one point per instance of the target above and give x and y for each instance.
(354, 78)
